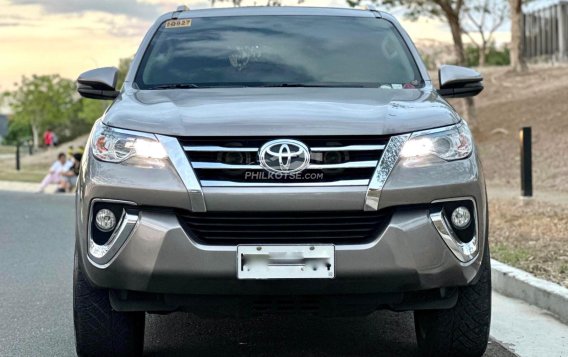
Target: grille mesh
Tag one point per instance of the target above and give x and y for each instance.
(284, 227)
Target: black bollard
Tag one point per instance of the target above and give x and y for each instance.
(526, 162)
(18, 157)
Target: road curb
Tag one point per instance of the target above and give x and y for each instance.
(519, 284)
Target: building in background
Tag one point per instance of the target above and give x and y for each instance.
(546, 30)
(3, 127)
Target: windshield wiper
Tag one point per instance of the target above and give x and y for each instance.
(175, 86)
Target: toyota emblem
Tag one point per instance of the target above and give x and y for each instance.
(284, 156)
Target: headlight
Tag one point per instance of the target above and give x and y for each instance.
(448, 143)
(117, 145)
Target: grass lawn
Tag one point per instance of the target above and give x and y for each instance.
(27, 173)
(5, 149)
(32, 168)
(531, 235)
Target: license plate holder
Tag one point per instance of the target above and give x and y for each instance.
(315, 261)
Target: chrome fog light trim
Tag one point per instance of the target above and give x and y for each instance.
(101, 254)
(386, 164)
(465, 252)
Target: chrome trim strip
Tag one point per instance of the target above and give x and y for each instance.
(182, 165)
(212, 148)
(465, 252)
(349, 148)
(344, 165)
(99, 255)
(388, 161)
(129, 132)
(223, 166)
(218, 149)
(216, 183)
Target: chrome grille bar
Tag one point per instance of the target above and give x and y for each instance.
(219, 149)
(212, 148)
(223, 166)
(348, 148)
(344, 165)
(216, 183)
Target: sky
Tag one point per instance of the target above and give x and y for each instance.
(68, 37)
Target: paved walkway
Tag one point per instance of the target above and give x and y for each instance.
(24, 186)
(527, 330)
(506, 192)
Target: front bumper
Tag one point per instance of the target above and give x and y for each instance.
(160, 257)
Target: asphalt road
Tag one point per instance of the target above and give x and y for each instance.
(36, 259)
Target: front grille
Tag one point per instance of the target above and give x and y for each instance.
(226, 161)
(231, 228)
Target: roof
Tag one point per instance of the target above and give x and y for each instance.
(537, 5)
(277, 10)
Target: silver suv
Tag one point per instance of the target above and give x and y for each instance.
(261, 160)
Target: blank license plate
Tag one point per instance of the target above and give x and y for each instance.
(286, 261)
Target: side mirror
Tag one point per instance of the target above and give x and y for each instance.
(98, 83)
(459, 82)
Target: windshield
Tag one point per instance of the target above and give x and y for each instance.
(258, 51)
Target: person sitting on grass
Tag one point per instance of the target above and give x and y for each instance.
(55, 171)
(69, 177)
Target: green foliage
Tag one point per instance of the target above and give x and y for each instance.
(49, 101)
(123, 67)
(17, 131)
(472, 56)
(494, 57)
(91, 110)
(41, 102)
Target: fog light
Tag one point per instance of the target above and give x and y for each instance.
(461, 218)
(105, 220)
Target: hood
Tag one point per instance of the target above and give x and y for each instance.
(280, 111)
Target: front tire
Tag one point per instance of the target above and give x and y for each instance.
(99, 330)
(462, 330)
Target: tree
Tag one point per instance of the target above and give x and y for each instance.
(484, 17)
(40, 102)
(123, 67)
(517, 28)
(449, 11)
(91, 110)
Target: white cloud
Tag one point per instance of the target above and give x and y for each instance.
(131, 8)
